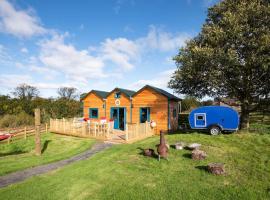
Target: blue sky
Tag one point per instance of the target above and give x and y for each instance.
(94, 44)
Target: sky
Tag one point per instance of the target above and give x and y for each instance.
(95, 44)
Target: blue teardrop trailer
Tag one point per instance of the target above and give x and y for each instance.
(214, 118)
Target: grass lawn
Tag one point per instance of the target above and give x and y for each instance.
(121, 172)
(20, 154)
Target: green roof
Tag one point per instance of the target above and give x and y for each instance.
(130, 93)
(102, 94)
(127, 92)
(163, 92)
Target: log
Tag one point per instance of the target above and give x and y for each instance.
(216, 168)
(198, 154)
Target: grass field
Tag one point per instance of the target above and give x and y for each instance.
(123, 173)
(20, 154)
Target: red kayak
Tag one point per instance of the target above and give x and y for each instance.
(5, 136)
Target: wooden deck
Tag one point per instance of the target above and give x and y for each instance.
(101, 131)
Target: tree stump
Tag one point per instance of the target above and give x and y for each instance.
(216, 168)
(149, 152)
(198, 154)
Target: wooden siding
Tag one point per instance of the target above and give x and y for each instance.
(124, 103)
(93, 101)
(173, 121)
(158, 108)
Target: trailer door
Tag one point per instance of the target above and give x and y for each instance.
(200, 120)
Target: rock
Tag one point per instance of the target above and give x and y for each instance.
(179, 145)
(194, 146)
(198, 154)
(149, 152)
(216, 168)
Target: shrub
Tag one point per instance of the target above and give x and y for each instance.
(16, 120)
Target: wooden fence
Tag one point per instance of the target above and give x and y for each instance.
(104, 131)
(23, 133)
(138, 131)
(80, 128)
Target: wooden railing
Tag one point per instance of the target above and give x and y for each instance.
(138, 131)
(104, 131)
(80, 128)
(22, 133)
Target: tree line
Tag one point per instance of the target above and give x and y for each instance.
(18, 108)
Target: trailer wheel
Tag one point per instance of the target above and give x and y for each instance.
(214, 130)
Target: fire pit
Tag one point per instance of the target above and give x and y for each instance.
(162, 148)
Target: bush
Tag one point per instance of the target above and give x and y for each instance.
(22, 119)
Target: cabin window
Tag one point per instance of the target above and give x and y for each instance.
(144, 114)
(117, 95)
(93, 113)
(200, 117)
(174, 113)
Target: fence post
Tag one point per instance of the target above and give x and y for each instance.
(46, 128)
(37, 130)
(127, 132)
(64, 124)
(25, 133)
(95, 129)
(9, 138)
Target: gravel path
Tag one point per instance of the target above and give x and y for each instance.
(27, 173)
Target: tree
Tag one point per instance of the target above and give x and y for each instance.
(67, 93)
(25, 92)
(230, 56)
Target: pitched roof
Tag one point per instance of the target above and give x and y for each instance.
(102, 94)
(127, 92)
(161, 91)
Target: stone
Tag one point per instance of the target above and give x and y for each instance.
(216, 168)
(179, 145)
(198, 154)
(194, 146)
(149, 152)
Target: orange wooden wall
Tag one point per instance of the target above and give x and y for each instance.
(157, 102)
(93, 101)
(158, 108)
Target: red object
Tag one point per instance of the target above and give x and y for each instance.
(6, 136)
(86, 119)
(103, 118)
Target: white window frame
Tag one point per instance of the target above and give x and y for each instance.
(195, 119)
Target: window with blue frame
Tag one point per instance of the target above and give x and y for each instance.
(117, 95)
(144, 114)
(93, 113)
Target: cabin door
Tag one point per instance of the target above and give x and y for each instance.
(200, 119)
(119, 117)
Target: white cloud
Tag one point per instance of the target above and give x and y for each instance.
(5, 58)
(19, 23)
(121, 51)
(75, 64)
(158, 39)
(13, 80)
(24, 50)
(161, 80)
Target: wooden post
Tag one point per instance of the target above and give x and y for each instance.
(64, 124)
(9, 139)
(126, 132)
(95, 130)
(25, 133)
(46, 128)
(37, 130)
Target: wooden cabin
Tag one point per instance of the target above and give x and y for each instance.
(127, 106)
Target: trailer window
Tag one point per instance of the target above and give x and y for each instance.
(200, 117)
(93, 112)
